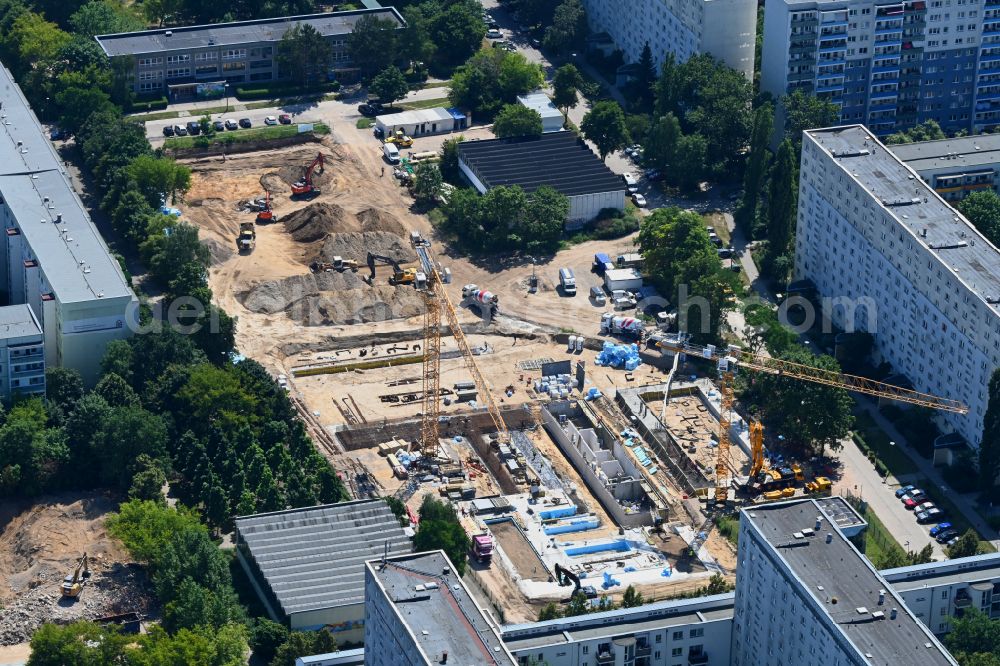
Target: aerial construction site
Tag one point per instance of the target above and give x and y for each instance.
(572, 463)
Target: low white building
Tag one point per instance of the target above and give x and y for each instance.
(552, 118)
(422, 122)
(622, 278)
(22, 352)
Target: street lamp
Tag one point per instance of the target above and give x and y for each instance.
(225, 88)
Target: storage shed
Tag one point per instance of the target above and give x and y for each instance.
(622, 278)
(552, 118)
(422, 122)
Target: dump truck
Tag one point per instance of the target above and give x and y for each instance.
(821, 485)
(247, 240)
(625, 326)
(73, 584)
(482, 548)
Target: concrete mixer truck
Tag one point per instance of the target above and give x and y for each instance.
(484, 299)
(629, 327)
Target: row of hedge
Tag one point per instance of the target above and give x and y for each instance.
(155, 104)
(264, 91)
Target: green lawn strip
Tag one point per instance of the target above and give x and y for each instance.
(875, 440)
(364, 123)
(423, 104)
(159, 115)
(879, 542)
(242, 136)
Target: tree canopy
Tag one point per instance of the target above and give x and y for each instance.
(305, 55)
(492, 78)
(989, 447)
(929, 130)
(565, 84)
(439, 529)
(604, 126)
(390, 85)
(805, 112)
(373, 44)
(568, 27)
(517, 120)
(506, 219)
(982, 209)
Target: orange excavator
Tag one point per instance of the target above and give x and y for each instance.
(304, 186)
(266, 215)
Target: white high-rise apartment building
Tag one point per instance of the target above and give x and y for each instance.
(727, 29)
(908, 267)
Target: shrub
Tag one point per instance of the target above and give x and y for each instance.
(155, 104)
(259, 91)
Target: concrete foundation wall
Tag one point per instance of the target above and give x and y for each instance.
(565, 441)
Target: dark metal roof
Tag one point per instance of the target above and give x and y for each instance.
(558, 159)
(236, 33)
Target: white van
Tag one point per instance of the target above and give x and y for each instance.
(391, 153)
(568, 281)
(631, 182)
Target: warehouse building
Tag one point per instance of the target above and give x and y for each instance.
(904, 266)
(955, 168)
(53, 259)
(199, 61)
(560, 160)
(422, 122)
(538, 101)
(307, 565)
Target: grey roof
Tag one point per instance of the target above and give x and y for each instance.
(18, 321)
(450, 617)
(962, 570)
(971, 152)
(314, 558)
(33, 182)
(239, 32)
(844, 574)
(540, 102)
(841, 512)
(950, 237)
(557, 159)
(415, 117)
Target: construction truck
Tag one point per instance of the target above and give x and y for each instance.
(304, 186)
(482, 548)
(481, 297)
(629, 327)
(73, 584)
(399, 274)
(821, 485)
(338, 264)
(266, 215)
(400, 139)
(247, 240)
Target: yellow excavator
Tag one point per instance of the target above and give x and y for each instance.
(73, 584)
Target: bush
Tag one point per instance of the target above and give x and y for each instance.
(263, 91)
(155, 104)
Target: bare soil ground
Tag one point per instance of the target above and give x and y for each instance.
(694, 426)
(40, 544)
(517, 548)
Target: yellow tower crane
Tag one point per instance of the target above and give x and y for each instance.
(436, 300)
(730, 358)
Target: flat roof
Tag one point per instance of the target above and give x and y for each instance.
(77, 264)
(313, 558)
(840, 511)
(962, 152)
(560, 160)
(961, 570)
(18, 321)
(843, 573)
(623, 274)
(444, 618)
(416, 116)
(235, 33)
(930, 221)
(540, 102)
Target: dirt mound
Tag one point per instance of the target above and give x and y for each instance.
(220, 252)
(357, 245)
(376, 219)
(318, 220)
(320, 177)
(274, 183)
(332, 298)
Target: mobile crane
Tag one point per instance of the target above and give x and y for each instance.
(304, 186)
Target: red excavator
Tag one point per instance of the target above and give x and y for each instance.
(304, 186)
(266, 215)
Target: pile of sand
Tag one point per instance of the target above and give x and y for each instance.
(357, 245)
(376, 219)
(332, 298)
(317, 221)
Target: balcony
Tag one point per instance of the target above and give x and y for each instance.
(643, 650)
(697, 659)
(962, 600)
(606, 657)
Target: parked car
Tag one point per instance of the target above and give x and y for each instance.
(639, 200)
(911, 503)
(58, 134)
(285, 119)
(653, 175)
(913, 498)
(940, 527)
(924, 506)
(905, 489)
(194, 127)
(219, 126)
(245, 122)
(180, 130)
(946, 536)
(725, 252)
(370, 109)
(930, 515)
(950, 542)
(168, 130)
(494, 33)
(230, 124)
(270, 120)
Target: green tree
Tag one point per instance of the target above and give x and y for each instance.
(372, 44)
(167, 254)
(222, 646)
(660, 149)
(304, 643)
(781, 198)
(565, 84)
(83, 643)
(549, 612)
(131, 217)
(568, 28)
(517, 120)
(982, 209)
(492, 78)
(646, 78)
(439, 529)
(63, 386)
(159, 11)
(974, 638)
(578, 605)
(159, 178)
(102, 17)
(449, 160)
(805, 112)
(147, 527)
(32, 454)
(690, 160)
(604, 126)
(457, 31)
(305, 55)
(811, 416)
(34, 42)
(78, 104)
(924, 556)
(542, 220)
(266, 637)
(632, 598)
(966, 546)
(148, 480)
(116, 391)
(757, 163)
(989, 447)
(929, 130)
(427, 183)
(390, 85)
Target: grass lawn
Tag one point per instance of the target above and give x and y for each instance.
(717, 220)
(424, 104)
(878, 541)
(435, 84)
(895, 459)
(364, 123)
(242, 136)
(159, 115)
